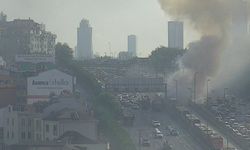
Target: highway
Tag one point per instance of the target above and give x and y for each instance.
(227, 142)
(143, 126)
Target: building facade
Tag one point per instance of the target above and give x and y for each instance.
(84, 41)
(24, 127)
(132, 45)
(25, 36)
(175, 34)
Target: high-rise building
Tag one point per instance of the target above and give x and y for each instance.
(132, 45)
(3, 17)
(175, 34)
(84, 41)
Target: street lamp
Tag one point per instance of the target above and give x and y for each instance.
(195, 75)
(225, 90)
(208, 80)
(176, 90)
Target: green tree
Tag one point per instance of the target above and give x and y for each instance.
(165, 60)
(63, 53)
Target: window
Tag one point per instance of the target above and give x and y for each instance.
(23, 122)
(8, 121)
(13, 122)
(47, 128)
(23, 135)
(8, 135)
(38, 137)
(38, 125)
(29, 135)
(29, 122)
(55, 130)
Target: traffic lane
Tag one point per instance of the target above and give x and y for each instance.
(183, 141)
(143, 123)
(225, 139)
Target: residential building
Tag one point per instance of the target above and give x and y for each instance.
(84, 41)
(22, 127)
(25, 36)
(132, 45)
(175, 34)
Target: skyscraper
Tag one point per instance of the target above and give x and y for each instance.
(132, 45)
(84, 41)
(175, 34)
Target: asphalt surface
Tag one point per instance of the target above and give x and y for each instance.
(143, 126)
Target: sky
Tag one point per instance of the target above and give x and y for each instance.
(112, 21)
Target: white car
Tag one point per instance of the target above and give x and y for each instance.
(156, 123)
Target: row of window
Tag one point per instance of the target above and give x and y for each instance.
(12, 121)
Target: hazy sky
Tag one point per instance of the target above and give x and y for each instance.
(112, 21)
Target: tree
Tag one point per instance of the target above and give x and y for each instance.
(64, 54)
(165, 60)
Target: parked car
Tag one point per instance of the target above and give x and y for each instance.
(156, 123)
(158, 134)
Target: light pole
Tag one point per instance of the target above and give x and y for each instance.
(166, 91)
(195, 75)
(225, 90)
(208, 80)
(176, 90)
(191, 95)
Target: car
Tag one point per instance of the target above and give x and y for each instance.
(174, 132)
(136, 107)
(156, 123)
(146, 142)
(159, 136)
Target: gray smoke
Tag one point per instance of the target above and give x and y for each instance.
(213, 20)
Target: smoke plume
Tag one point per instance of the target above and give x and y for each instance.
(213, 20)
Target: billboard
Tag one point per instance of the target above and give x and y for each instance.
(35, 58)
(49, 82)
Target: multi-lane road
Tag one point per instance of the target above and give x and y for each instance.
(143, 128)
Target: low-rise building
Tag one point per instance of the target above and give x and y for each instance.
(22, 127)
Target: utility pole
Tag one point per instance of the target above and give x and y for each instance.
(176, 90)
(195, 75)
(166, 91)
(225, 90)
(140, 137)
(208, 80)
